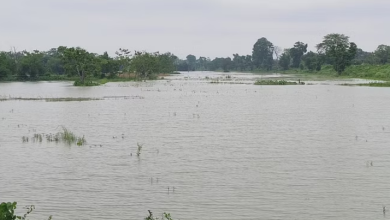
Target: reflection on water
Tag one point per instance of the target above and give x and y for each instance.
(231, 151)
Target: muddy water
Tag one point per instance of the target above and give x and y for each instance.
(225, 151)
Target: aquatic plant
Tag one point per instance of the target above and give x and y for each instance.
(277, 82)
(65, 136)
(166, 216)
(37, 137)
(370, 84)
(24, 139)
(81, 141)
(139, 149)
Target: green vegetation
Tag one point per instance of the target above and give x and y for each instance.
(334, 55)
(7, 211)
(139, 148)
(67, 99)
(370, 84)
(277, 82)
(83, 67)
(166, 216)
(365, 71)
(65, 136)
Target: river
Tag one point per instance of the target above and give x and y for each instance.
(210, 151)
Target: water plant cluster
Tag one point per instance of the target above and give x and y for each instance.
(65, 136)
(370, 84)
(66, 99)
(277, 82)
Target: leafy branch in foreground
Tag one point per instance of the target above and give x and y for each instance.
(7, 211)
(166, 216)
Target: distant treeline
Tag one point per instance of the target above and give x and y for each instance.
(334, 50)
(77, 62)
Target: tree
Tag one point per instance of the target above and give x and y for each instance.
(262, 54)
(123, 56)
(31, 65)
(382, 53)
(312, 61)
(201, 63)
(53, 63)
(226, 64)
(297, 52)
(7, 66)
(191, 61)
(109, 65)
(284, 61)
(338, 51)
(145, 64)
(78, 61)
(361, 57)
(166, 62)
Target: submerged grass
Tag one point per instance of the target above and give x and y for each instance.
(277, 82)
(65, 136)
(65, 99)
(370, 84)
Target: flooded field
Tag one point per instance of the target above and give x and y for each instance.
(226, 150)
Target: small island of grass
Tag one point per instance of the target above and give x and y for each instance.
(370, 84)
(277, 82)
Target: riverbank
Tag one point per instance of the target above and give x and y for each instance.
(371, 72)
(89, 81)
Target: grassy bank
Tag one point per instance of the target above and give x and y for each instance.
(364, 71)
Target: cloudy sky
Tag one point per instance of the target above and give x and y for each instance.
(211, 28)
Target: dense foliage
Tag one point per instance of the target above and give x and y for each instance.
(74, 62)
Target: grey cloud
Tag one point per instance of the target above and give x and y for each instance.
(204, 28)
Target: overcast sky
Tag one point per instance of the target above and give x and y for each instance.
(210, 28)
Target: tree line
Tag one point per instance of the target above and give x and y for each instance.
(78, 62)
(335, 50)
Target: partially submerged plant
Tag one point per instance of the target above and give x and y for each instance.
(37, 137)
(166, 216)
(24, 139)
(139, 148)
(63, 136)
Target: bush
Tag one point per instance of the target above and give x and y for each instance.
(86, 83)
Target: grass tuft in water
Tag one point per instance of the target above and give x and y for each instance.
(370, 84)
(277, 82)
(139, 149)
(65, 136)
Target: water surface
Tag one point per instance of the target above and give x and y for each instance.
(231, 151)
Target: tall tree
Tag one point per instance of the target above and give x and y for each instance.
(7, 65)
(78, 61)
(338, 51)
(285, 59)
(146, 65)
(361, 57)
(31, 65)
(297, 52)
(166, 62)
(123, 56)
(191, 61)
(312, 61)
(382, 53)
(262, 54)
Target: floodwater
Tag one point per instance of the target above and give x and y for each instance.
(210, 151)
